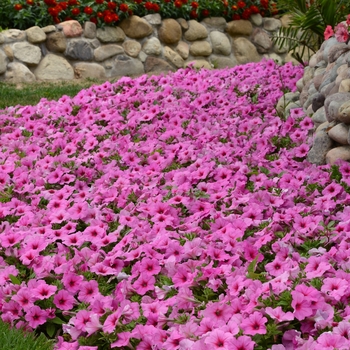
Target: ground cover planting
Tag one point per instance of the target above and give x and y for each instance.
(23, 14)
(173, 212)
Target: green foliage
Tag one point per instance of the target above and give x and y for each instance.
(305, 34)
(18, 340)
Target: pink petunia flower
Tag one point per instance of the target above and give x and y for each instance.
(35, 316)
(218, 339)
(254, 324)
(301, 306)
(242, 343)
(64, 300)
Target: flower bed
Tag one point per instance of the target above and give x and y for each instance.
(22, 14)
(146, 213)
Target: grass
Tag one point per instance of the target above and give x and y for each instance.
(32, 93)
(18, 340)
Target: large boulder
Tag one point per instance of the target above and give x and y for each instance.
(35, 35)
(110, 35)
(79, 49)
(18, 73)
(244, 51)
(71, 28)
(136, 28)
(107, 51)
(170, 31)
(53, 67)
(83, 70)
(27, 53)
(196, 31)
(220, 43)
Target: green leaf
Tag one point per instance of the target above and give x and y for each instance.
(14, 279)
(57, 320)
(50, 329)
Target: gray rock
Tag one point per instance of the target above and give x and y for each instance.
(244, 51)
(2, 38)
(317, 101)
(27, 53)
(272, 24)
(326, 46)
(338, 153)
(35, 35)
(89, 30)
(300, 84)
(336, 51)
(56, 42)
(153, 19)
(320, 116)
(173, 57)
(200, 48)
(53, 67)
(183, 23)
(136, 28)
(261, 40)
(344, 86)
(183, 49)
(336, 100)
(344, 112)
(9, 52)
(308, 74)
(196, 31)
(107, 51)
(110, 35)
(71, 28)
(125, 66)
(285, 100)
(215, 23)
(79, 49)
(220, 43)
(3, 62)
(83, 70)
(132, 47)
(339, 133)
(219, 62)
(18, 73)
(198, 64)
(49, 29)
(142, 57)
(256, 19)
(13, 35)
(152, 47)
(156, 65)
(321, 146)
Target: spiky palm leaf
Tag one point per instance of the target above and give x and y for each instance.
(308, 23)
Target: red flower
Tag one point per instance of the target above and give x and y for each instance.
(53, 11)
(50, 2)
(254, 9)
(156, 7)
(88, 10)
(99, 14)
(99, 1)
(178, 3)
(246, 14)
(56, 20)
(264, 3)
(108, 19)
(205, 13)
(75, 11)
(64, 5)
(138, 1)
(93, 20)
(149, 5)
(234, 7)
(30, 2)
(193, 14)
(236, 17)
(18, 7)
(115, 17)
(184, 2)
(123, 7)
(73, 2)
(194, 4)
(241, 4)
(111, 5)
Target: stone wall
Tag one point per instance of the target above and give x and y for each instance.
(138, 45)
(325, 96)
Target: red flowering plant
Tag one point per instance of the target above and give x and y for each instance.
(22, 14)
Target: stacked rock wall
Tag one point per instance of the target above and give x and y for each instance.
(138, 45)
(325, 96)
